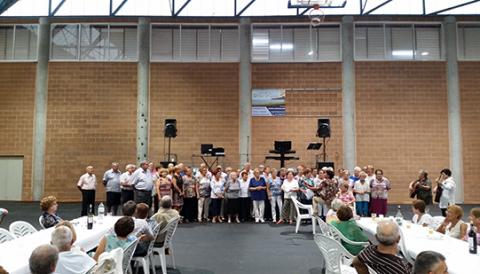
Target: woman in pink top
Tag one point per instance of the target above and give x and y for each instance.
(379, 187)
(345, 195)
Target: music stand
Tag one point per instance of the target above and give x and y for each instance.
(314, 146)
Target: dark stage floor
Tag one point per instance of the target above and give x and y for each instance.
(225, 248)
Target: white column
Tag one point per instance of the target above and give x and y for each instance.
(245, 102)
(143, 85)
(454, 107)
(348, 94)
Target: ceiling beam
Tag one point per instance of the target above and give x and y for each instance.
(454, 7)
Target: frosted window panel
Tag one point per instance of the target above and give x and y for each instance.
(64, 42)
(6, 42)
(287, 43)
(470, 42)
(375, 42)
(123, 43)
(215, 44)
(230, 44)
(176, 44)
(260, 44)
(329, 44)
(360, 42)
(275, 44)
(400, 42)
(427, 41)
(188, 44)
(305, 44)
(93, 42)
(26, 42)
(203, 44)
(162, 43)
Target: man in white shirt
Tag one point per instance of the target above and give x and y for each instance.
(126, 184)
(448, 185)
(142, 182)
(111, 180)
(87, 185)
(70, 261)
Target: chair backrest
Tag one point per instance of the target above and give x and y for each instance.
(155, 232)
(335, 234)
(332, 252)
(5, 235)
(324, 228)
(21, 228)
(128, 254)
(370, 270)
(437, 221)
(295, 203)
(40, 219)
(170, 229)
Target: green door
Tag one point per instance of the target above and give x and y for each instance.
(11, 178)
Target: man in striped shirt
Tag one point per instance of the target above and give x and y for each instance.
(383, 257)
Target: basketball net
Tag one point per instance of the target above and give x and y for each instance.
(316, 15)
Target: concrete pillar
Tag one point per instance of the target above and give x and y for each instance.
(245, 82)
(143, 87)
(348, 94)
(454, 108)
(40, 118)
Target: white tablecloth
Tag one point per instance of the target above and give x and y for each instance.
(14, 254)
(418, 239)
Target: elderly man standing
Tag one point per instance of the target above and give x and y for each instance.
(126, 184)
(163, 216)
(70, 261)
(111, 181)
(142, 182)
(43, 259)
(383, 257)
(87, 185)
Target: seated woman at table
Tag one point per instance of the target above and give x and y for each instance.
(349, 228)
(332, 212)
(453, 225)
(419, 215)
(121, 238)
(49, 207)
(475, 220)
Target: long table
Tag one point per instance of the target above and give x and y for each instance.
(14, 254)
(418, 238)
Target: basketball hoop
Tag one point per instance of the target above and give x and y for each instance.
(316, 15)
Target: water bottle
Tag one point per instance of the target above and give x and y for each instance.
(472, 240)
(90, 218)
(101, 211)
(399, 216)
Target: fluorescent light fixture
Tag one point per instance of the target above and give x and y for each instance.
(425, 53)
(281, 47)
(310, 53)
(260, 42)
(402, 53)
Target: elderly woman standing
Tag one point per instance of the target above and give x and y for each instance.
(274, 189)
(49, 216)
(453, 225)
(379, 193)
(217, 184)
(163, 184)
(257, 187)
(190, 200)
(232, 190)
(202, 188)
(362, 195)
(290, 188)
(177, 184)
(244, 196)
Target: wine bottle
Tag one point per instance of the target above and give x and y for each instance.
(472, 240)
(90, 218)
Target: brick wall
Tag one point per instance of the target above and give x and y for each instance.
(303, 110)
(402, 120)
(204, 100)
(91, 121)
(470, 102)
(17, 92)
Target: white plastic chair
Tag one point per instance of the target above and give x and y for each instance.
(5, 236)
(21, 228)
(127, 257)
(147, 260)
(169, 231)
(300, 217)
(339, 237)
(324, 228)
(437, 221)
(332, 252)
(40, 221)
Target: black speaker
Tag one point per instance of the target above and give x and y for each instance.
(206, 148)
(283, 146)
(321, 165)
(323, 130)
(171, 128)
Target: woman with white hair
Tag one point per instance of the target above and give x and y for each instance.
(332, 212)
(232, 190)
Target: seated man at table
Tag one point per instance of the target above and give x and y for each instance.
(142, 229)
(70, 261)
(43, 260)
(430, 262)
(163, 216)
(349, 228)
(383, 257)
